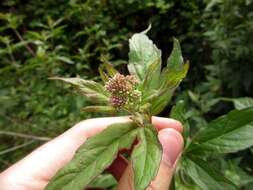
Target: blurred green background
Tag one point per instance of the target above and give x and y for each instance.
(41, 39)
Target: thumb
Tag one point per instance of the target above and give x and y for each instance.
(172, 144)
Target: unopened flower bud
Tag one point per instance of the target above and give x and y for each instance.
(118, 101)
(122, 89)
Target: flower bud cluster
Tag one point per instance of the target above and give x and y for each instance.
(123, 90)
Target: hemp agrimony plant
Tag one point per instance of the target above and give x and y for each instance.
(143, 93)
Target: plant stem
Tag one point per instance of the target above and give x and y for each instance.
(16, 147)
(24, 136)
(21, 39)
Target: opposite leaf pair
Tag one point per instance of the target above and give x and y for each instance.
(143, 93)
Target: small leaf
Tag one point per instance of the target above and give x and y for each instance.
(93, 91)
(204, 176)
(103, 75)
(241, 103)
(65, 59)
(101, 109)
(229, 133)
(93, 157)
(107, 68)
(142, 54)
(146, 157)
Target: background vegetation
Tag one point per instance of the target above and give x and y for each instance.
(40, 39)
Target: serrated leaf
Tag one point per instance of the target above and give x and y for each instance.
(241, 103)
(93, 157)
(146, 157)
(170, 78)
(141, 55)
(168, 88)
(93, 91)
(206, 177)
(229, 133)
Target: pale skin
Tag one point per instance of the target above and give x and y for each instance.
(35, 170)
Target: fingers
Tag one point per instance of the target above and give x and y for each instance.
(162, 123)
(172, 144)
(42, 164)
(52, 156)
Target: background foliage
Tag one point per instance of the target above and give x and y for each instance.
(41, 39)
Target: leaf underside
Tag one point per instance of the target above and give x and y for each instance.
(99, 151)
(93, 91)
(93, 157)
(146, 157)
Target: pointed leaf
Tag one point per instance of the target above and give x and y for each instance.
(170, 78)
(93, 157)
(103, 75)
(163, 96)
(206, 177)
(142, 54)
(93, 91)
(146, 157)
(175, 61)
(229, 133)
(108, 69)
(241, 103)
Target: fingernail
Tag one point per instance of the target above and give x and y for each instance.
(172, 143)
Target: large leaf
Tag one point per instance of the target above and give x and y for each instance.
(241, 103)
(146, 157)
(204, 176)
(142, 54)
(171, 77)
(93, 157)
(229, 133)
(93, 91)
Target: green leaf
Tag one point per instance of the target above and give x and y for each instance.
(93, 157)
(151, 80)
(204, 176)
(103, 181)
(146, 157)
(167, 88)
(93, 91)
(170, 78)
(229, 133)
(100, 109)
(241, 103)
(175, 61)
(178, 112)
(142, 54)
(107, 68)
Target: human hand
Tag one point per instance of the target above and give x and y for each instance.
(35, 170)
